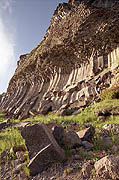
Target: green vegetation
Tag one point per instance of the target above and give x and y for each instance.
(110, 93)
(10, 137)
(86, 116)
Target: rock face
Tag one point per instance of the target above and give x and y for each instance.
(76, 59)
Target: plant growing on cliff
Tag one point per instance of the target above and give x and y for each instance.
(110, 93)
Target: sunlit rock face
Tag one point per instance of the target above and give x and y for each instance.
(76, 60)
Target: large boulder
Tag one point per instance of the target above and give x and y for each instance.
(42, 147)
(37, 136)
(45, 158)
(108, 167)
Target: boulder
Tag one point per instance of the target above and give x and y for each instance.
(38, 136)
(108, 167)
(58, 133)
(87, 145)
(86, 134)
(71, 140)
(45, 158)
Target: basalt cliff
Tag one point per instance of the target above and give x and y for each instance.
(77, 58)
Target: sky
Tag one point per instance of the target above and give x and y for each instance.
(23, 24)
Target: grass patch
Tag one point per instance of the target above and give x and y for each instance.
(107, 105)
(10, 137)
(110, 93)
(86, 116)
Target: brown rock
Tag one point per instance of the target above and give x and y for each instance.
(86, 134)
(58, 133)
(38, 136)
(71, 140)
(87, 145)
(45, 158)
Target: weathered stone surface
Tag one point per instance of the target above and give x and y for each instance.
(71, 140)
(108, 167)
(58, 133)
(87, 145)
(86, 134)
(74, 62)
(45, 158)
(38, 136)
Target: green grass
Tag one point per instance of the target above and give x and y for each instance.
(85, 117)
(109, 104)
(10, 137)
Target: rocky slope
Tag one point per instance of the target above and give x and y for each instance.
(77, 58)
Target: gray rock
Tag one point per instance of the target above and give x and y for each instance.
(58, 133)
(44, 158)
(87, 145)
(38, 136)
(71, 140)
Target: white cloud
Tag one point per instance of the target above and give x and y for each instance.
(6, 4)
(7, 58)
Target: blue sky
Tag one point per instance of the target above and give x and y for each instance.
(23, 24)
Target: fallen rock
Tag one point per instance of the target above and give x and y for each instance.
(108, 167)
(44, 158)
(58, 133)
(86, 134)
(71, 140)
(88, 146)
(38, 136)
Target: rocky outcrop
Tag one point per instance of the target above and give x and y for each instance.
(75, 61)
